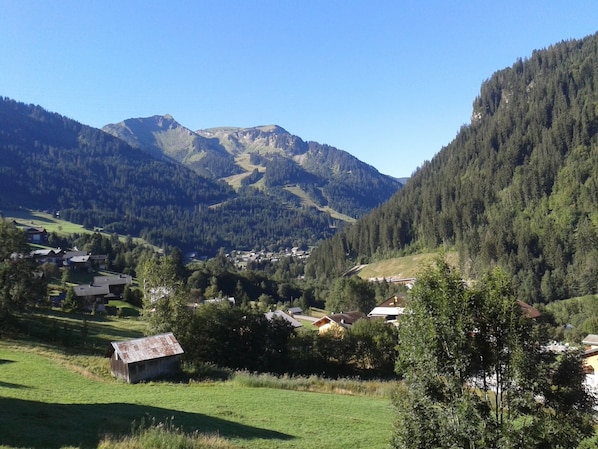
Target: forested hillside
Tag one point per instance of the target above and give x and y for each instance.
(53, 163)
(517, 187)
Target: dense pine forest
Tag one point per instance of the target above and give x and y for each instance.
(517, 187)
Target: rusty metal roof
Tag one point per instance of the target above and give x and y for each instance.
(148, 348)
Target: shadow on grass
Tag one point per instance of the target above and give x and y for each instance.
(11, 385)
(41, 425)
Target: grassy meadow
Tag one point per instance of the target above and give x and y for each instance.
(403, 267)
(52, 397)
(52, 223)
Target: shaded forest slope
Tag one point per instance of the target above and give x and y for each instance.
(50, 162)
(517, 187)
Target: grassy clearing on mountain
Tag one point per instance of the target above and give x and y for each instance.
(403, 267)
(52, 224)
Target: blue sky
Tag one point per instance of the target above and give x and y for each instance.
(391, 82)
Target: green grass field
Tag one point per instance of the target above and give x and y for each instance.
(54, 397)
(48, 402)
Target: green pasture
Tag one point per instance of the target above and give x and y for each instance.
(91, 332)
(51, 223)
(49, 399)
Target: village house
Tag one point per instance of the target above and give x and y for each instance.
(77, 260)
(590, 355)
(389, 310)
(95, 295)
(295, 311)
(48, 255)
(146, 358)
(279, 314)
(337, 323)
(116, 283)
(92, 297)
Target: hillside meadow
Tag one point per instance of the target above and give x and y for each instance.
(404, 267)
(53, 224)
(51, 399)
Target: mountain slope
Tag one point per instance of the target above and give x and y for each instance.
(267, 158)
(163, 136)
(50, 162)
(518, 187)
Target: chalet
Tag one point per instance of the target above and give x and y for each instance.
(99, 261)
(389, 310)
(279, 314)
(591, 340)
(92, 296)
(76, 260)
(337, 323)
(295, 311)
(146, 358)
(590, 355)
(48, 255)
(116, 284)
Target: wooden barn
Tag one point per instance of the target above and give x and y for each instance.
(146, 358)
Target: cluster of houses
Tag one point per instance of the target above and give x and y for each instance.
(73, 259)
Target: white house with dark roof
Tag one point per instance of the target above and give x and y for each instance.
(390, 309)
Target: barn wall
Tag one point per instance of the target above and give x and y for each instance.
(119, 369)
(152, 369)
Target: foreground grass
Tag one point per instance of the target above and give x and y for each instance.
(165, 436)
(51, 400)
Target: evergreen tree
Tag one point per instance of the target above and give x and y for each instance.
(21, 283)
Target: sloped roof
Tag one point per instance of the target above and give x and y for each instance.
(590, 340)
(147, 348)
(393, 301)
(345, 318)
(395, 305)
(69, 254)
(386, 311)
(118, 279)
(284, 316)
(91, 290)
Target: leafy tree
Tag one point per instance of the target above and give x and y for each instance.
(348, 294)
(474, 367)
(375, 345)
(164, 298)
